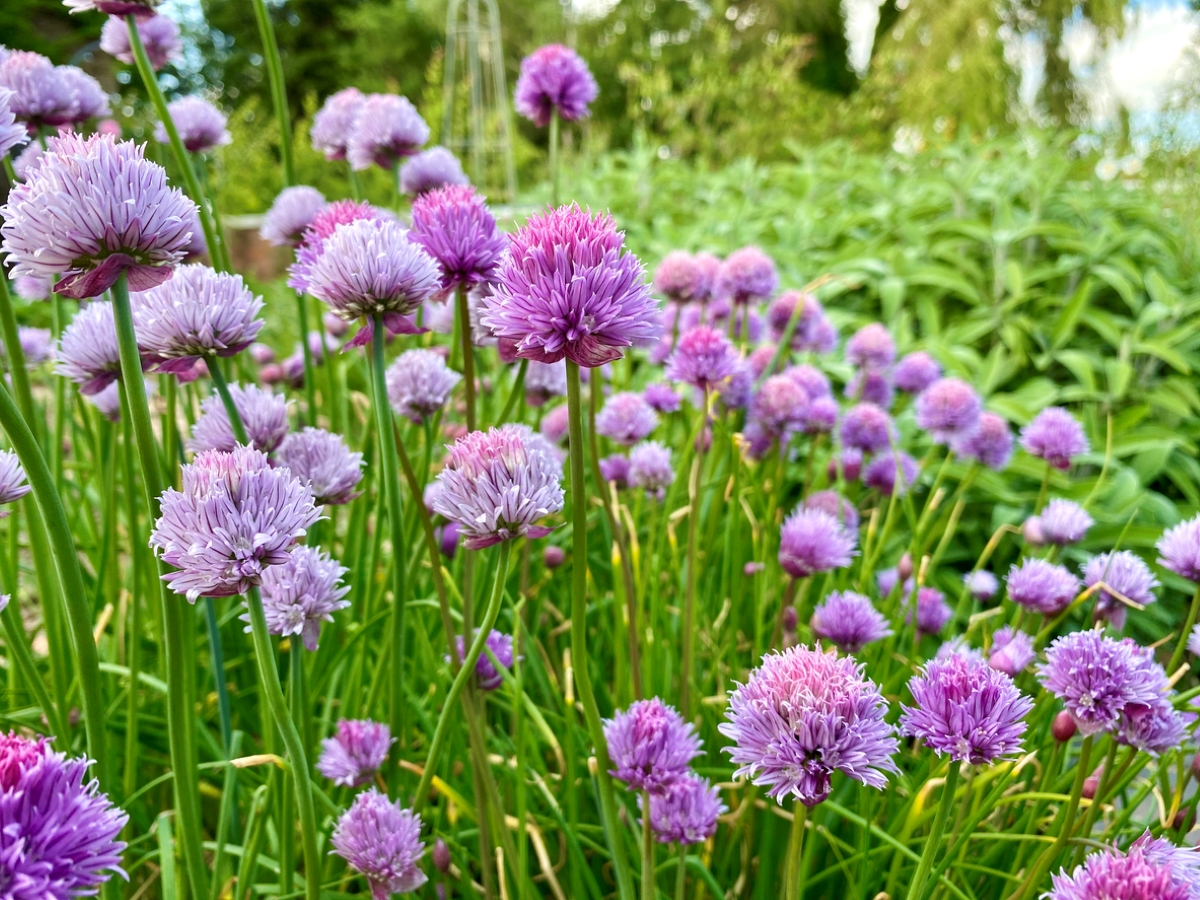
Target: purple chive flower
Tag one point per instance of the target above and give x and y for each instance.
(159, 34)
(888, 579)
(431, 169)
(387, 128)
(1140, 874)
(1122, 573)
(1042, 586)
(1156, 730)
(948, 409)
(497, 484)
(545, 380)
(263, 414)
(626, 419)
(615, 468)
(779, 407)
(369, 267)
(92, 209)
(660, 395)
(330, 131)
(455, 227)
(138, 8)
(981, 584)
(803, 715)
(650, 745)
(87, 351)
(567, 288)
(419, 383)
(197, 314)
(382, 842)
(107, 402)
(736, 391)
(820, 417)
(27, 160)
(301, 593)
(88, 99)
(703, 358)
(686, 812)
(871, 386)
(812, 541)
(871, 347)
(849, 620)
(1099, 680)
(1055, 436)
(12, 479)
(555, 424)
(290, 215)
(201, 125)
(813, 380)
(33, 287)
(1012, 651)
(320, 229)
(964, 708)
(932, 610)
(322, 460)
(916, 371)
(1064, 522)
(40, 95)
(835, 505)
(1179, 549)
(58, 832)
(812, 331)
(650, 468)
(991, 442)
(37, 345)
(881, 473)
(554, 79)
(866, 427)
(359, 749)
(680, 279)
(487, 677)
(747, 275)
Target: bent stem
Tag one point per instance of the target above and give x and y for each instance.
(1181, 647)
(579, 651)
(934, 841)
(278, 90)
(794, 872)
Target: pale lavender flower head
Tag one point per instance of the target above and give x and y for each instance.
(813, 380)
(839, 507)
(1122, 573)
(290, 215)
(1064, 522)
(849, 620)
(866, 427)
(871, 347)
(419, 383)
(40, 95)
(779, 407)
(198, 314)
(431, 169)
(804, 714)
(331, 127)
(1156, 730)
(650, 468)
(263, 414)
(965, 709)
(545, 380)
(555, 424)
(1179, 549)
(703, 358)
(947, 409)
(981, 584)
(1183, 861)
(1041, 586)
(554, 78)
(87, 351)
(359, 749)
(991, 442)
(92, 209)
(301, 593)
(568, 289)
(12, 479)
(1012, 651)
(88, 99)
(932, 610)
(107, 401)
(160, 37)
(916, 371)
(686, 812)
(371, 266)
(58, 832)
(487, 677)
(615, 468)
(887, 580)
(1100, 680)
(27, 161)
(820, 417)
(812, 541)
(33, 287)
(1136, 875)
(746, 276)
(1055, 436)
(497, 484)
(322, 226)
(37, 345)
(660, 395)
(872, 386)
(387, 128)
(650, 745)
(886, 476)
(322, 460)
(680, 279)
(626, 418)
(201, 125)
(381, 840)
(456, 228)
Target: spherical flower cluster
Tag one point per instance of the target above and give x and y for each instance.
(87, 351)
(355, 753)
(947, 409)
(866, 427)
(201, 126)
(555, 424)
(916, 371)
(872, 386)
(322, 460)
(981, 584)
(891, 472)
(1140, 874)
(381, 841)
(650, 468)
(331, 127)
(430, 169)
(1123, 577)
(681, 279)
(455, 227)
(660, 395)
(650, 745)
(263, 415)
(703, 358)
(686, 812)
(322, 225)
(554, 79)
(545, 380)
(88, 99)
(813, 541)
(1012, 651)
(932, 610)
(991, 442)
(1041, 586)
(419, 383)
(813, 332)
(964, 708)
(615, 468)
(290, 215)
(91, 210)
(626, 418)
(159, 34)
(386, 129)
(12, 479)
(779, 407)
(1179, 549)
(1064, 522)
(40, 96)
(497, 484)
(849, 620)
(1055, 436)
(487, 676)
(871, 347)
(301, 593)
(746, 276)
(12, 133)
(33, 287)
(568, 289)
(835, 505)
(803, 715)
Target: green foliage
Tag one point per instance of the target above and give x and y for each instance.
(46, 28)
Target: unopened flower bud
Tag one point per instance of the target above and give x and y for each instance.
(905, 567)
(1064, 727)
(553, 557)
(1184, 820)
(272, 373)
(704, 440)
(789, 619)
(1032, 531)
(1196, 766)
(335, 324)
(752, 568)
(441, 856)
(1091, 784)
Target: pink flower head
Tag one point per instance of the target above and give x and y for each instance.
(981, 584)
(1055, 436)
(455, 227)
(545, 380)
(12, 133)
(12, 481)
(892, 472)
(837, 506)
(615, 468)
(141, 9)
(747, 275)
(355, 753)
(948, 409)
(872, 386)
(301, 593)
(916, 371)
(88, 98)
(290, 215)
(322, 460)
(991, 442)
(871, 347)
(809, 314)
(932, 610)
(263, 414)
(1112, 875)
(87, 351)
(1064, 522)
(500, 645)
(159, 34)
(386, 129)
(626, 419)
(555, 424)
(381, 840)
(813, 380)
(660, 395)
(812, 541)
(430, 169)
(703, 358)
(650, 746)
(680, 278)
(554, 79)
(201, 125)
(779, 407)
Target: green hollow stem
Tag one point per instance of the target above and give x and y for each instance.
(515, 394)
(1181, 647)
(917, 890)
(468, 354)
(554, 136)
(793, 888)
(647, 850)
(466, 671)
(268, 677)
(681, 873)
(222, 388)
(689, 597)
(18, 648)
(134, 659)
(179, 717)
(310, 402)
(579, 651)
(266, 31)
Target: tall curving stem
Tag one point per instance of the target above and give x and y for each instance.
(180, 721)
(579, 651)
(932, 843)
(266, 31)
(554, 138)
